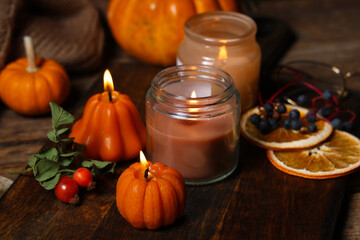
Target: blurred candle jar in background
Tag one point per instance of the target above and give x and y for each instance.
(192, 121)
(225, 40)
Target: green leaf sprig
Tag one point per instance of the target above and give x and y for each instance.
(63, 156)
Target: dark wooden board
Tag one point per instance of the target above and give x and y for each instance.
(256, 202)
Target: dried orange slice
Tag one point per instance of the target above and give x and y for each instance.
(282, 138)
(337, 156)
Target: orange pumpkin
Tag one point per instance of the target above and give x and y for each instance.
(153, 199)
(111, 131)
(27, 85)
(30, 93)
(152, 30)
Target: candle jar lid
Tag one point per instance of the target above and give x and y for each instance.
(192, 119)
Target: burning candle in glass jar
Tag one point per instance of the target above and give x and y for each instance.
(225, 40)
(192, 120)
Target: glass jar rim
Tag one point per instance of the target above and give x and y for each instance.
(176, 73)
(241, 19)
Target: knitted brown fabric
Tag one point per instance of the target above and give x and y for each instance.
(67, 31)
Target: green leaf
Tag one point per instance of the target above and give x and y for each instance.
(32, 161)
(49, 154)
(54, 135)
(99, 166)
(70, 154)
(60, 116)
(46, 169)
(87, 164)
(65, 162)
(67, 140)
(51, 183)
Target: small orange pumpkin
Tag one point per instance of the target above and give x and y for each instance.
(111, 131)
(27, 85)
(153, 30)
(153, 199)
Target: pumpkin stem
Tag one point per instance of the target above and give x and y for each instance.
(30, 55)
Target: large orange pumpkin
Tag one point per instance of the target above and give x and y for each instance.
(151, 30)
(150, 199)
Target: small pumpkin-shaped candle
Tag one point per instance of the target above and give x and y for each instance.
(110, 128)
(150, 195)
(152, 30)
(27, 85)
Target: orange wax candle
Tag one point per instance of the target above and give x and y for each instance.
(150, 195)
(110, 128)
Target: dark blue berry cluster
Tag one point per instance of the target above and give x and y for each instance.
(324, 104)
(325, 110)
(274, 115)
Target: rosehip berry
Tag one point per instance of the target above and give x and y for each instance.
(67, 190)
(83, 178)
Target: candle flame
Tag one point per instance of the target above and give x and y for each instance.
(193, 94)
(142, 158)
(193, 102)
(108, 82)
(223, 53)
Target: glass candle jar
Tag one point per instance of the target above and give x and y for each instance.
(192, 122)
(225, 40)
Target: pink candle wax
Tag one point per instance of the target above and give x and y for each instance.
(197, 148)
(198, 136)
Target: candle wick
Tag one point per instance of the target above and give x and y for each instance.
(146, 174)
(110, 97)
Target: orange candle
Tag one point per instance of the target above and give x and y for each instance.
(150, 195)
(110, 128)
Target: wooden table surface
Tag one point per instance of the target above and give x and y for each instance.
(256, 202)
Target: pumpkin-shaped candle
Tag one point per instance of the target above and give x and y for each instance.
(150, 195)
(110, 128)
